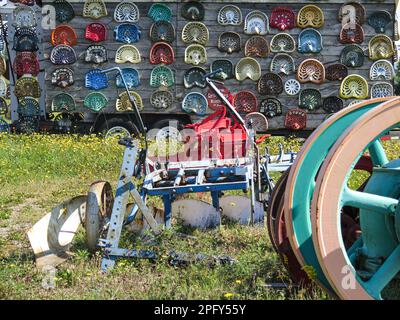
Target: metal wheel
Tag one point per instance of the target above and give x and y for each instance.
(370, 267)
(98, 210)
(273, 204)
(301, 183)
(119, 132)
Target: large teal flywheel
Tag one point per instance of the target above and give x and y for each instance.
(301, 183)
(371, 268)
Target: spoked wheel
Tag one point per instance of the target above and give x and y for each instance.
(369, 269)
(301, 182)
(98, 212)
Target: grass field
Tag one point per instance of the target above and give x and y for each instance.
(38, 172)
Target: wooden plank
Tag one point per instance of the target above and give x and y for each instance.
(330, 53)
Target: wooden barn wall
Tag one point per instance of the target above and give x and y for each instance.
(330, 53)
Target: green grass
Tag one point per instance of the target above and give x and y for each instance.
(38, 172)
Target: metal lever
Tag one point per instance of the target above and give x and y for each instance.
(211, 74)
(139, 119)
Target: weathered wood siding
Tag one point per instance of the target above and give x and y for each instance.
(330, 53)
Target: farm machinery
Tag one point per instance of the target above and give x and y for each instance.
(326, 229)
(222, 156)
(344, 237)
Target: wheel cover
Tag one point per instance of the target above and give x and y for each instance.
(310, 99)
(24, 17)
(230, 15)
(245, 102)
(332, 104)
(194, 77)
(127, 53)
(381, 70)
(127, 33)
(27, 87)
(271, 107)
(162, 99)
(24, 63)
(336, 72)
(283, 42)
(96, 80)
(162, 52)
(195, 54)
(380, 47)
(381, 90)
(63, 102)
(283, 64)
(123, 103)
(126, 11)
(310, 16)
(96, 32)
(193, 10)
(162, 31)
(64, 11)
(256, 22)
(62, 77)
(352, 56)
(229, 42)
(28, 107)
(384, 182)
(299, 188)
(354, 86)
(195, 32)
(379, 20)
(64, 34)
(96, 54)
(131, 77)
(227, 69)
(257, 121)
(350, 35)
(256, 46)
(94, 9)
(296, 119)
(310, 41)
(292, 87)
(160, 12)
(162, 76)
(311, 70)
(195, 102)
(95, 101)
(282, 18)
(62, 54)
(270, 84)
(25, 40)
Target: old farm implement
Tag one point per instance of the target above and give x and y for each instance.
(348, 236)
(343, 237)
(328, 228)
(234, 164)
